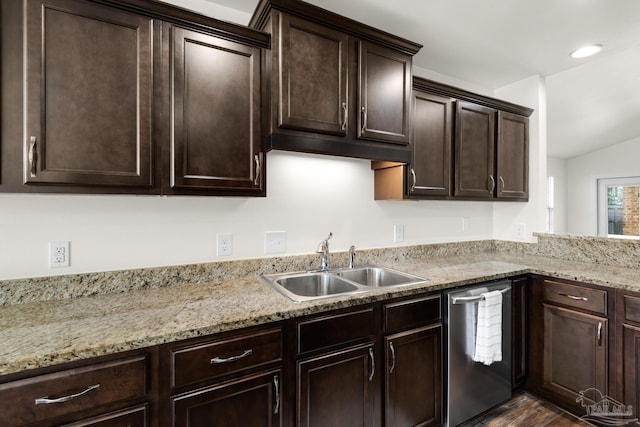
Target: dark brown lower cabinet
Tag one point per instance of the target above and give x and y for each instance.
(337, 389)
(520, 316)
(252, 401)
(413, 378)
(575, 354)
(630, 369)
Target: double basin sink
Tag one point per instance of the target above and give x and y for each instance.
(307, 286)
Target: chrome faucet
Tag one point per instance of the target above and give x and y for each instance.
(323, 250)
(352, 255)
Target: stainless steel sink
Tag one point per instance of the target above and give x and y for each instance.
(378, 277)
(307, 286)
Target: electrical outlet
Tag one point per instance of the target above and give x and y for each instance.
(398, 233)
(465, 224)
(224, 244)
(275, 242)
(518, 231)
(59, 254)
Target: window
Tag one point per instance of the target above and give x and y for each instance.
(619, 207)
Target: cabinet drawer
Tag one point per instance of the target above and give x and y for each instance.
(335, 330)
(594, 300)
(73, 390)
(411, 313)
(216, 358)
(131, 417)
(631, 309)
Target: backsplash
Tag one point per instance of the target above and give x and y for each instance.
(111, 282)
(613, 252)
(596, 250)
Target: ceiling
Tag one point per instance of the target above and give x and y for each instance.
(591, 103)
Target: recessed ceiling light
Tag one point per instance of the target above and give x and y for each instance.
(586, 51)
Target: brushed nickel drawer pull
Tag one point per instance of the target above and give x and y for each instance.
(493, 183)
(345, 114)
(501, 183)
(47, 400)
(373, 364)
(258, 170)
(393, 357)
(276, 408)
(33, 157)
(413, 180)
(573, 297)
(364, 119)
(599, 334)
(232, 358)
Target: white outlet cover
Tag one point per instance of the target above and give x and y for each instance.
(519, 231)
(398, 233)
(275, 242)
(224, 244)
(59, 255)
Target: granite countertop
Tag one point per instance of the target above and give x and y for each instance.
(44, 333)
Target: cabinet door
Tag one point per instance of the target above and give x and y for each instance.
(337, 389)
(513, 156)
(413, 372)
(215, 140)
(385, 94)
(474, 157)
(630, 377)
(248, 402)
(575, 354)
(429, 172)
(313, 77)
(88, 95)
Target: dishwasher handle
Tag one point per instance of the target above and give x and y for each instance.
(474, 298)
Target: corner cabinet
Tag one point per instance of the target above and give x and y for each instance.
(131, 97)
(628, 352)
(337, 86)
(215, 115)
(463, 146)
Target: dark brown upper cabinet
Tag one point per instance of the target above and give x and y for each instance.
(215, 116)
(463, 146)
(313, 77)
(474, 151)
(129, 96)
(337, 86)
(512, 158)
(385, 94)
(88, 95)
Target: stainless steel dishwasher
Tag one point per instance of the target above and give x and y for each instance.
(472, 387)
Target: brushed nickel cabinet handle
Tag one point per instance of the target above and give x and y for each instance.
(33, 157)
(373, 364)
(48, 401)
(364, 119)
(413, 180)
(573, 297)
(493, 183)
(345, 114)
(258, 170)
(216, 360)
(501, 183)
(276, 386)
(393, 357)
(599, 334)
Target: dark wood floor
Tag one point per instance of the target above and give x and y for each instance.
(526, 410)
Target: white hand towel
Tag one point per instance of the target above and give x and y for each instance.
(489, 329)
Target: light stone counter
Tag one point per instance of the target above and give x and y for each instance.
(43, 333)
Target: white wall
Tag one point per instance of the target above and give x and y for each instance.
(617, 161)
(308, 196)
(558, 169)
(529, 92)
(213, 10)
